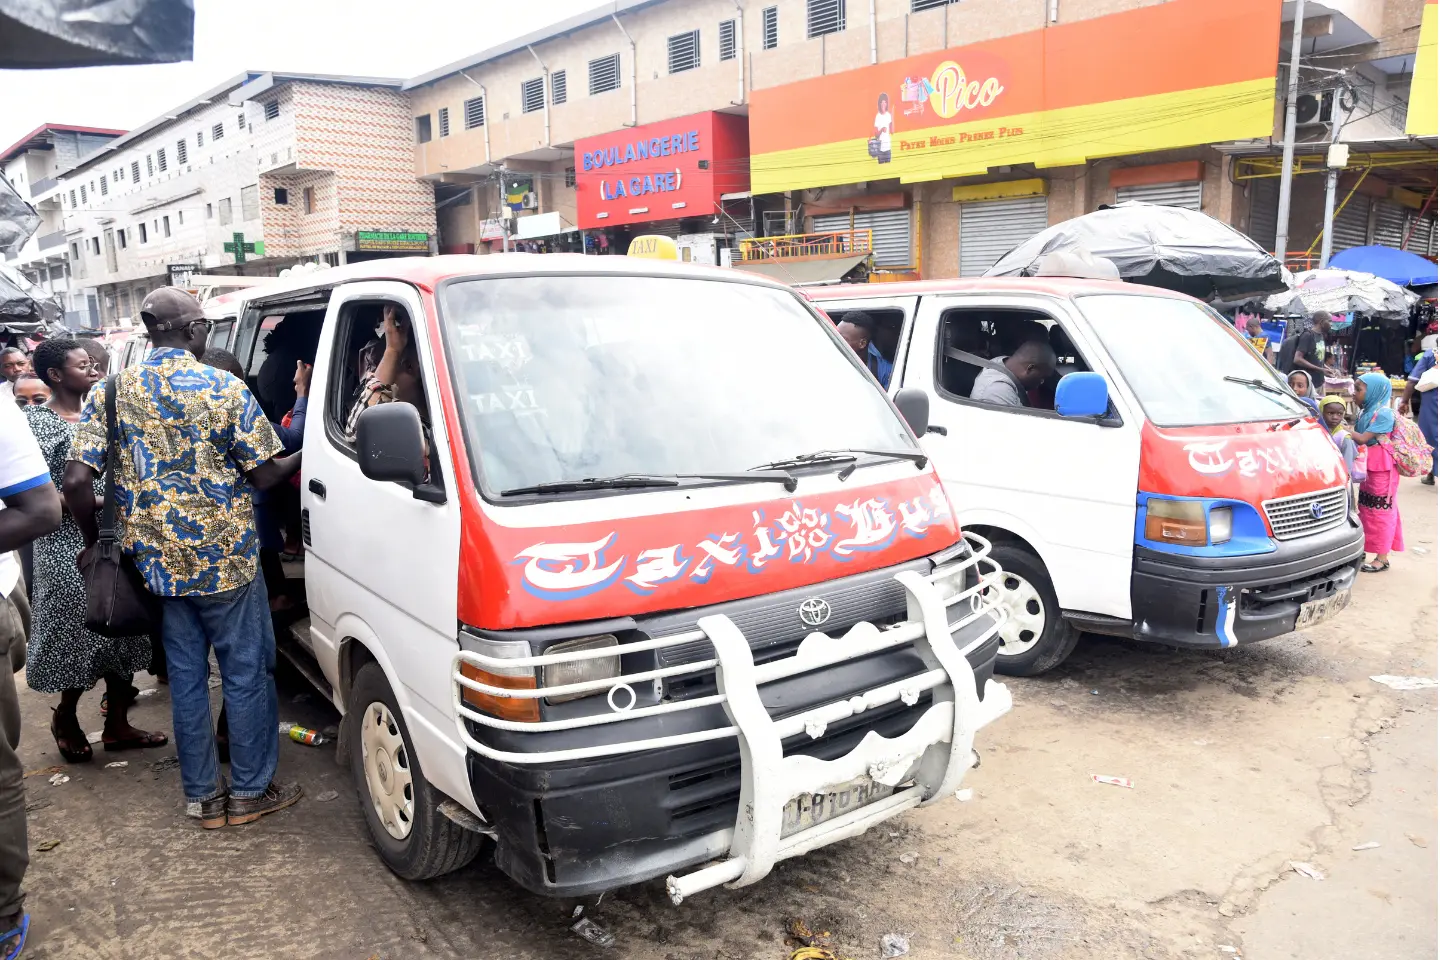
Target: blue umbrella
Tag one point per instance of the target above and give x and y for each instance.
(1398, 266)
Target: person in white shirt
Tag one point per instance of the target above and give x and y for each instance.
(884, 127)
(32, 509)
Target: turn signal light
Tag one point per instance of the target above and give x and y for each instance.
(518, 709)
(1175, 521)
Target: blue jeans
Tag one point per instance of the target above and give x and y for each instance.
(237, 624)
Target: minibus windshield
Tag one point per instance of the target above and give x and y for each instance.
(1185, 364)
(563, 378)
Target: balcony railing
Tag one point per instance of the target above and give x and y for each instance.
(806, 246)
(40, 186)
(49, 240)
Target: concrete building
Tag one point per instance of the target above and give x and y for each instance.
(1091, 101)
(264, 171)
(31, 165)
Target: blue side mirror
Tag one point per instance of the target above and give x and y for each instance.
(1083, 394)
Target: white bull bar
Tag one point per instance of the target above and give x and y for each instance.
(925, 763)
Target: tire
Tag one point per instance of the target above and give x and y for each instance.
(1037, 637)
(420, 842)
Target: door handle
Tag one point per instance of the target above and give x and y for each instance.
(317, 488)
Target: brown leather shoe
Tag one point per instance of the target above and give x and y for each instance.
(277, 796)
(210, 813)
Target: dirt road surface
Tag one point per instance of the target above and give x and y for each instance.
(1243, 762)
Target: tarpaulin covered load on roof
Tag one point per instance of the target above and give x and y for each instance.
(90, 33)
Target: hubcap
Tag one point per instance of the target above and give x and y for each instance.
(387, 770)
(1026, 623)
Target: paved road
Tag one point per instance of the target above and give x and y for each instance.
(1242, 761)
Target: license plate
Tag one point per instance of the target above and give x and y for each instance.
(809, 809)
(1318, 611)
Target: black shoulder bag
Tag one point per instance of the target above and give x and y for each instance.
(117, 604)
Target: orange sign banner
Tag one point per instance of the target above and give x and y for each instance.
(1168, 75)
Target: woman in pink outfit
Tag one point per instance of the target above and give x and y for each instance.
(1379, 510)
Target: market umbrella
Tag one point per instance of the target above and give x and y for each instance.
(1168, 247)
(1398, 266)
(1343, 291)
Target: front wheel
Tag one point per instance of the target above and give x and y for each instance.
(1035, 638)
(414, 839)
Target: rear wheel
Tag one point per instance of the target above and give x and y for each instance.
(1035, 638)
(414, 839)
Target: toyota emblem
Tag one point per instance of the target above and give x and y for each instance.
(814, 611)
(1317, 510)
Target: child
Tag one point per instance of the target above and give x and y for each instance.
(1300, 385)
(1332, 411)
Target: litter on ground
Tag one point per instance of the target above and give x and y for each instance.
(591, 932)
(1306, 870)
(58, 779)
(1406, 683)
(1125, 782)
(1371, 845)
(114, 764)
(325, 796)
(894, 945)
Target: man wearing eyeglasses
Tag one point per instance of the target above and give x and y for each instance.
(193, 440)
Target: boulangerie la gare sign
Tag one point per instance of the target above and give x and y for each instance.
(1169, 75)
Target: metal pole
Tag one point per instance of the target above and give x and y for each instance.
(1292, 92)
(504, 220)
(1331, 176)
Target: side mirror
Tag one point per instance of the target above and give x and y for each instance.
(391, 443)
(914, 406)
(1082, 394)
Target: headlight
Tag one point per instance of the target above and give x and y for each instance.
(581, 671)
(1222, 519)
(1175, 521)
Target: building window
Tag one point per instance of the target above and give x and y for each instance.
(166, 222)
(282, 197)
(226, 215)
(119, 174)
(307, 198)
(134, 171)
(120, 235)
(104, 188)
(240, 121)
(444, 114)
(75, 252)
(272, 109)
(532, 95)
(557, 86)
(605, 74)
(250, 202)
(217, 132)
(73, 202)
(144, 234)
(209, 211)
(149, 164)
(160, 159)
(917, 5)
(727, 39)
(569, 176)
(95, 246)
(199, 138)
(182, 152)
(683, 51)
(180, 217)
(770, 28)
(83, 198)
(824, 16)
(422, 129)
(474, 113)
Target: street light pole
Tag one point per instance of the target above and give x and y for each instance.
(1336, 159)
(1292, 93)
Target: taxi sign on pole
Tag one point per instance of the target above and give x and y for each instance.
(654, 248)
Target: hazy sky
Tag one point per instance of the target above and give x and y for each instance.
(366, 37)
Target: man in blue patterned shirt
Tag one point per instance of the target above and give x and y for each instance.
(192, 441)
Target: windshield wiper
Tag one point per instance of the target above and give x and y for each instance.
(1259, 384)
(650, 480)
(846, 456)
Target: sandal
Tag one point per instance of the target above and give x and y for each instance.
(1375, 568)
(142, 742)
(68, 750)
(13, 941)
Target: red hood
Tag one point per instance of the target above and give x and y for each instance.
(1245, 461)
(668, 561)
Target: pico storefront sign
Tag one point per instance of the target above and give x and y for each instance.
(391, 241)
(660, 171)
(1159, 77)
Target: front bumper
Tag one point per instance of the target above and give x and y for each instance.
(1223, 602)
(584, 805)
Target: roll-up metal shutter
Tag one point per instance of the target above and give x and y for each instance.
(1264, 210)
(1351, 225)
(889, 233)
(1185, 195)
(1389, 224)
(1422, 240)
(989, 229)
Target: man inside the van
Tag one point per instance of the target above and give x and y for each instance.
(857, 329)
(194, 442)
(1028, 367)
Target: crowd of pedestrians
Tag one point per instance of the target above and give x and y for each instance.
(181, 446)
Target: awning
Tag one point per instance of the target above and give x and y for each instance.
(803, 273)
